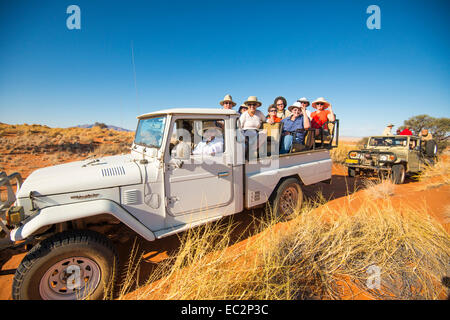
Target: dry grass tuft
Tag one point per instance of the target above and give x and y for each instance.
(379, 189)
(310, 258)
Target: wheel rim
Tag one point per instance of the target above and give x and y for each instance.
(289, 200)
(70, 279)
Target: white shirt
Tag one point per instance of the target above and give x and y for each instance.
(387, 131)
(252, 122)
(182, 150)
(209, 148)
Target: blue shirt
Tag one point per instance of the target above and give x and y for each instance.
(291, 126)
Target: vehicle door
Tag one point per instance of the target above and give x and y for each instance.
(197, 176)
(413, 154)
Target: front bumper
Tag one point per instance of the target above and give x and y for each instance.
(360, 166)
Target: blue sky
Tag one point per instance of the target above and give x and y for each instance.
(193, 53)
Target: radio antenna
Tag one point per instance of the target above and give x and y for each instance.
(134, 76)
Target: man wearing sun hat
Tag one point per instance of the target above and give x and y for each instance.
(227, 102)
(297, 121)
(305, 102)
(387, 130)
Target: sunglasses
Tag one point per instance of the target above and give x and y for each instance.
(273, 110)
(320, 103)
(227, 102)
(251, 104)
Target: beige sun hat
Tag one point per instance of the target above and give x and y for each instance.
(321, 99)
(303, 100)
(253, 99)
(227, 98)
(296, 104)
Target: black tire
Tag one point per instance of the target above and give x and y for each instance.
(431, 148)
(351, 172)
(398, 173)
(43, 272)
(288, 198)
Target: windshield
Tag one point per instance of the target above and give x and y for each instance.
(150, 132)
(387, 142)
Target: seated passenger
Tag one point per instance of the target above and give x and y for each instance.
(227, 102)
(280, 103)
(320, 117)
(182, 150)
(252, 119)
(406, 132)
(212, 143)
(298, 120)
(305, 102)
(243, 108)
(272, 116)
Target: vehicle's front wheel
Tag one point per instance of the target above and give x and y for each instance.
(398, 173)
(67, 266)
(351, 172)
(288, 198)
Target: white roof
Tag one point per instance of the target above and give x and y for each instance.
(189, 111)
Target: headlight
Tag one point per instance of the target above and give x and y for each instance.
(353, 155)
(387, 157)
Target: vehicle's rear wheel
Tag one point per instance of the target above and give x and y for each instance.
(67, 266)
(398, 173)
(351, 172)
(288, 198)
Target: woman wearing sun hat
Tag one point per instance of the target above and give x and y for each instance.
(227, 102)
(252, 119)
(323, 114)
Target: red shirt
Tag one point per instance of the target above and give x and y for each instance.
(277, 119)
(406, 132)
(318, 118)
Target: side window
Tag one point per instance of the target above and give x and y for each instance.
(197, 137)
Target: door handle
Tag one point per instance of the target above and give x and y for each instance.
(223, 174)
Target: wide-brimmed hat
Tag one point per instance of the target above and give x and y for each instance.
(253, 99)
(227, 98)
(390, 125)
(295, 105)
(242, 106)
(303, 100)
(322, 100)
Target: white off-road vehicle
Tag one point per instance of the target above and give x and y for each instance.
(176, 177)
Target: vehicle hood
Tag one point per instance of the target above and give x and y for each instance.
(89, 174)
